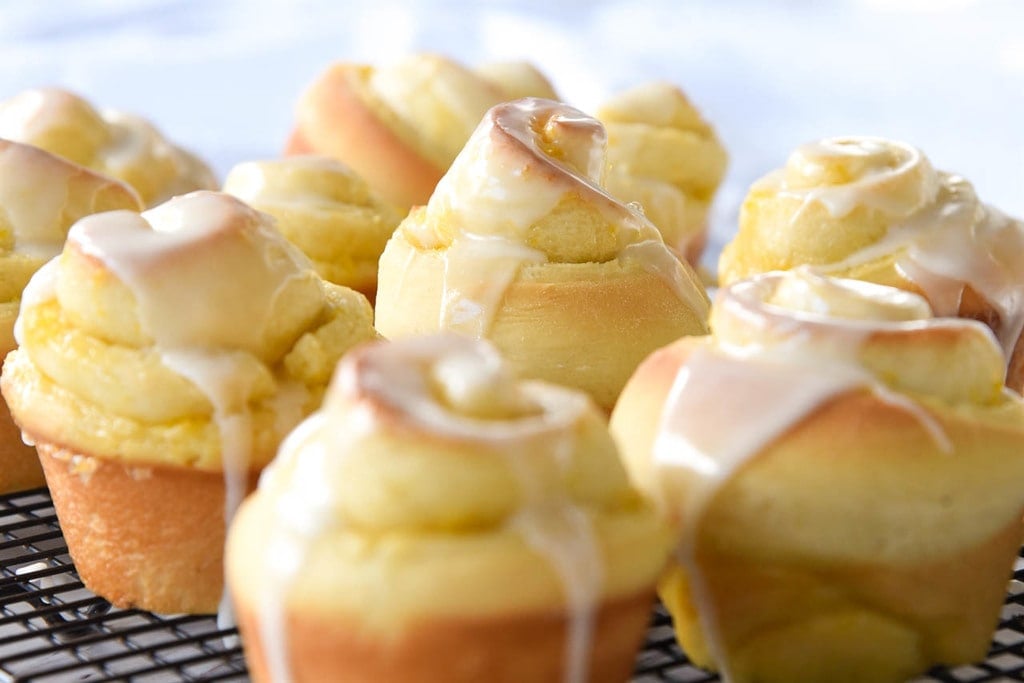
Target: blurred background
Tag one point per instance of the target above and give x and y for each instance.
(222, 77)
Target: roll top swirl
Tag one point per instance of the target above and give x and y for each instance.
(271, 296)
(443, 419)
(531, 174)
(888, 335)
(876, 210)
(325, 209)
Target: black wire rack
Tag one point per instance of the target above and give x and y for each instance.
(52, 628)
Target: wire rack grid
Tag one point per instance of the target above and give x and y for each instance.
(53, 629)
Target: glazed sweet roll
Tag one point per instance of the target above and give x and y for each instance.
(399, 125)
(121, 145)
(326, 210)
(845, 475)
(41, 195)
(521, 245)
(877, 210)
(395, 520)
(162, 358)
(665, 156)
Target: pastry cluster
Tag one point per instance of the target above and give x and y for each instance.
(451, 364)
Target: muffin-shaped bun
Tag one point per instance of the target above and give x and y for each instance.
(877, 210)
(845, 475)
(400, 125)
(114, 143)
(520, 244)
(325, 209)
(664, 156)
(394, 520)
(41, 195)
(163, 357)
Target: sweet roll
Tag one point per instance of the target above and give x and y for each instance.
(663, 155)
(114, 143)
(845, 477)
(162, 358)
(394, 521)
(521, 245)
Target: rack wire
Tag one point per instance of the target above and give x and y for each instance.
(52, 628)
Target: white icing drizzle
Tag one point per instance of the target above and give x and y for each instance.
(33, 194)
(562, 533)
(890, 176)
(777, 337)
(288, 544)
(523, 159)
(477, 272)
(223, 378)
(132, 138)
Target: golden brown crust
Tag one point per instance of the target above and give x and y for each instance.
(150, 537)
(505, 649)
(335, 118)
(953, 602)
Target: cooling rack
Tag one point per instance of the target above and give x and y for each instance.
(53, 629)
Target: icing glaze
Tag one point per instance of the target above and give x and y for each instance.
(193, 238)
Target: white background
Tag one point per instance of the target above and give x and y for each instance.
(222, 77)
